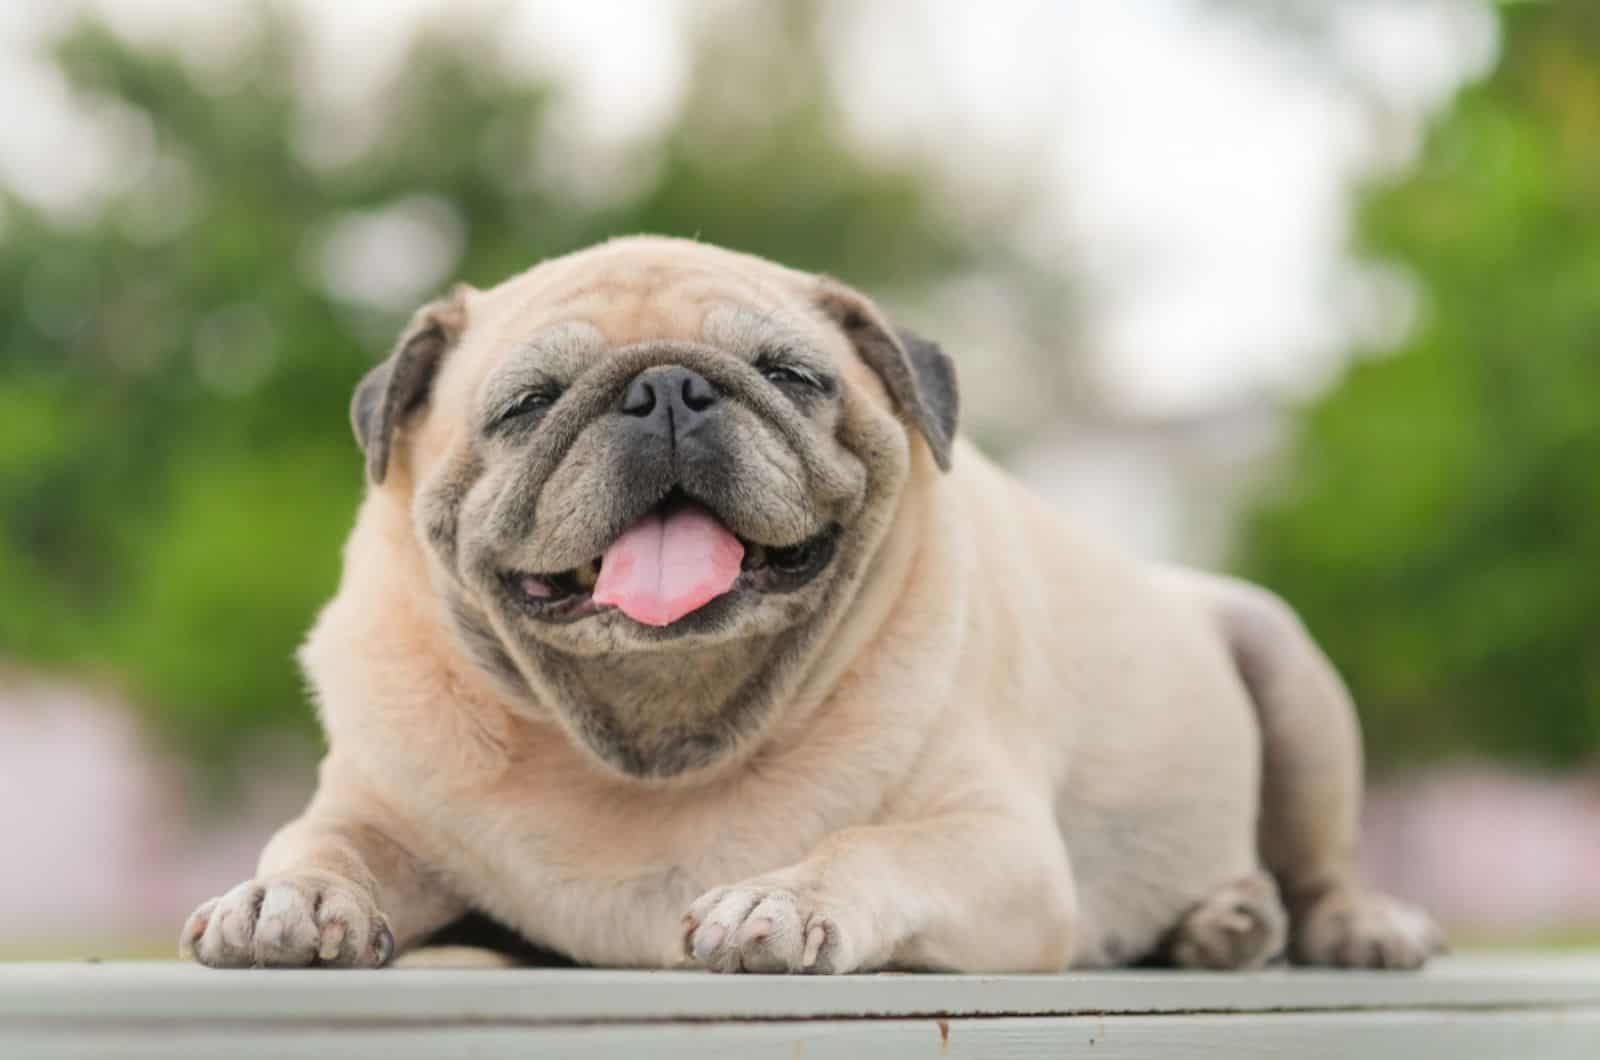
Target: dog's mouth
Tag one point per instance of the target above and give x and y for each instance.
(676, 559)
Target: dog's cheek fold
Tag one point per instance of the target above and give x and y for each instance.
(480, 640)
(440, 506)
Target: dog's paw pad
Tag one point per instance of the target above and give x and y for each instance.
(1241, 926)
(289, 922)
(1347, 928)
(762, 928)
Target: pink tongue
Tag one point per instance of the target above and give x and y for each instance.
(662, 568)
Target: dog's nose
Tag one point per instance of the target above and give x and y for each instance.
(668, 399)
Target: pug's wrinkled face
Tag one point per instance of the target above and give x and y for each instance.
(664, 495)
(650, 476)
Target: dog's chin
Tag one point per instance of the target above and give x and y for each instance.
(775, 588)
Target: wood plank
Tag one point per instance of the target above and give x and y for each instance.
(85, 994)
(1459, 1035)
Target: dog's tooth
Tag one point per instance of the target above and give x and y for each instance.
(536, 587)
(587, 575)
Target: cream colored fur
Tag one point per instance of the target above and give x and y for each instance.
(1020, 748)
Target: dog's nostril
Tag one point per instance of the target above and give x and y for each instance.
(639, 399)
(698, 393)
(671, 394)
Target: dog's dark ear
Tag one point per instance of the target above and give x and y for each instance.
(918, 374)
(401, 382)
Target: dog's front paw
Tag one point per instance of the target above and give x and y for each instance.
(1352, 928)
(289, 922)
(762, 927)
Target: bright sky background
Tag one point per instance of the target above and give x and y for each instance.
(1195, 169)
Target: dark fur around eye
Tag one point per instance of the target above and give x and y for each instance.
(528, 405)
(788, 374)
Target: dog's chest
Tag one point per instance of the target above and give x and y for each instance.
(606, 878)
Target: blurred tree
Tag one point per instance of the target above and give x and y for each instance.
(1438, 521)
(176, 470)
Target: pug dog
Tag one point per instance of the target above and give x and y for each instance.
(678, 627)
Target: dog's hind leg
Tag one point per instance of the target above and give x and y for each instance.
(1311, 788)
(1241, 926)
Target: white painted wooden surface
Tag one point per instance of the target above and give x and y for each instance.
(1462, 1008)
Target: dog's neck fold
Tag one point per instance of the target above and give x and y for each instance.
(663, 713)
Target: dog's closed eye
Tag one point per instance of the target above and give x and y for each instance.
(527, 405)
(786, 373)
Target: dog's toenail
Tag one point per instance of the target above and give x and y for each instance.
(710, 938)
(332, 940)
(384, 944)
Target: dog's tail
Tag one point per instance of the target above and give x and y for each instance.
(1310, 742)
(1310, 786)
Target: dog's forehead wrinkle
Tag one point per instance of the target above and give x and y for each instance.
(631, 294)
(750, 331)
(627, 304)
(559, 351)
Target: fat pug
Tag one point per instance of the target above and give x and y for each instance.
(678, 626)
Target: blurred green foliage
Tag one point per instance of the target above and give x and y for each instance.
(176, 469)
(1438, 522)
(176, 473)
